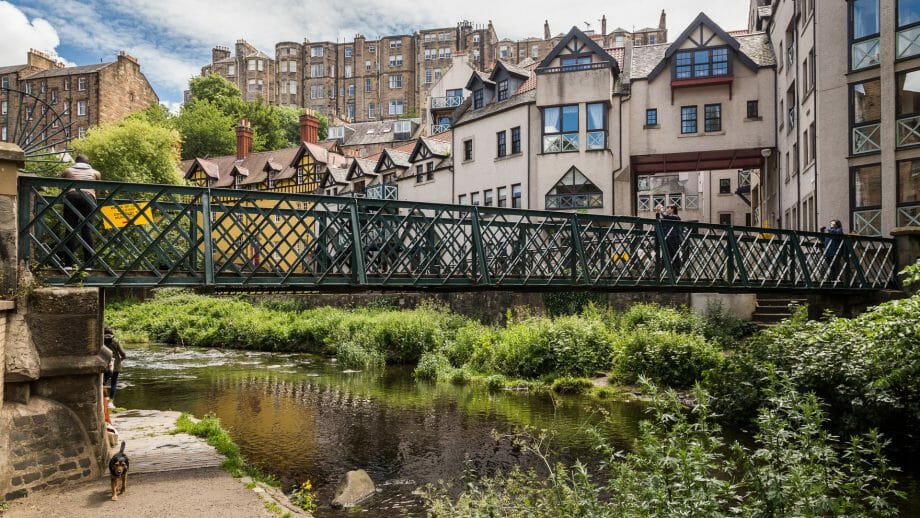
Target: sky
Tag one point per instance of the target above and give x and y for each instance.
(173, 38)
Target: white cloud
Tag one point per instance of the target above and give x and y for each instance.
(20, 35)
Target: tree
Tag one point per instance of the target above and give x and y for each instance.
(206, 130)
(132, 150)
(217, 90)
(156, 114)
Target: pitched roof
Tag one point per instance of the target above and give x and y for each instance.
(576, 33)
(336, 174)
(365, 165)
(481, 76)
(66, 71)
(644, 59)
(12, 68)
(438, 147)
(375, 132)
(527, 97)
(511, 69)
(531, 82)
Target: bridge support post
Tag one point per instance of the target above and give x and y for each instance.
(908, 246)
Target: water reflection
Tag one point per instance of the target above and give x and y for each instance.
(301, 417)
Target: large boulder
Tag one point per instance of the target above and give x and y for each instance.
(354, 487)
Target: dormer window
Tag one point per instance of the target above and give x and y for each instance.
(236, 181)
(477, 99)
(575, 62)
(271, 179)
(703, 63)
(502, 90)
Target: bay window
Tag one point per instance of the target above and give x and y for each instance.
(908, 193)
(597, 126)
(864, 33)
(866, 200)
(865, 116)
(908, 108)
(560, 129)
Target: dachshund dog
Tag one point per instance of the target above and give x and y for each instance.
(118, 469)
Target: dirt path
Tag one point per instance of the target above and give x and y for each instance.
(171, 475)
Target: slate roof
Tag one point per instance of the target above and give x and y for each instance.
(518, 99)
(66, 71)
(645, 59)
(12, 68)
(757, 47)
(376, 132)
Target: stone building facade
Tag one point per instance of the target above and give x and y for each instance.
(81, 96)
(362, 80)
(848, 113)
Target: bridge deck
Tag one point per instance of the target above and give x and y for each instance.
(153, 235)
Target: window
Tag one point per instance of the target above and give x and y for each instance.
(368, 86)
(651, 117)
(487, 198)
(688, 120)
(865, 114)
(372, 49)
(515, 140)
(908, 108)
(370, 111)
(292, 88)
(284, 66)
(427, 75)
(2, 132)
(690, 64)
(316, 71)
(712, 117)
(534, 52)
(395, 44)
(437, 74)
(477, 99)
(81, 108)
(316, 92)
(502, 90)
(4, 108)
(5, 82)
(396, 81)
(81, 132)
(725, 186)
(516, 196)
(461, 199)
(908, 43)
(864, 31)
(251, 65)
(65, 109)
(467, 150)
(575, 62)
(753, 109)
(397, 107)
(231, 71)
(396, 60)
(502, 196)
(419, 173)
(368, 65)
(574, 191)
(501, 139)
(316, 52)
(348, 51)
(597, 126)
(351, 90)
(348, 71)
(474, 198)
(476, 38)
(503, 52)
(866, 199)
(908, 193)
(725, 218)
(560, 129)
(429, 170)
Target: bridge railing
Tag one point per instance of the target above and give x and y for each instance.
(154, 235)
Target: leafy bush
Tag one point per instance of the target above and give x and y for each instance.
(431, 366)
(304, 497)
(572, 302)
(471, 344)
(352, 355)
(722, 328)
(523, 349)
(580, 345)
(570, 385)
(665, 357)
(654, 317)
(495, 382)
(459, 376)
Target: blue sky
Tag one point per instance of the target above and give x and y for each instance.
(173, 38)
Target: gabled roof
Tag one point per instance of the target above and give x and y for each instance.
(576, 33)
(511, 69)
(12, 68)
(66, 71)
(391, 158)
(696, 25)
(335, 176)
(319, 153)
(210, 168)
(481, 76)
(361, 167)
(426, 147)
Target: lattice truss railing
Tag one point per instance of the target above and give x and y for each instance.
(152, 235)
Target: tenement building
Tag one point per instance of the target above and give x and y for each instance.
(63, 102)
(389, 77)
(848, 113)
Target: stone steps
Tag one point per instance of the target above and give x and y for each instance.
(773, 309)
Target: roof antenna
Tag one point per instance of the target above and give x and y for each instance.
(587, 26)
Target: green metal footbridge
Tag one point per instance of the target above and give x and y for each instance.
(154, 235)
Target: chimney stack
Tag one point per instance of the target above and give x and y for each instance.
(243, 139)
(604, 25)
(546, 34)
(663, 21)
(309, 127)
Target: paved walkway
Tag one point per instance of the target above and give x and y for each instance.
(171, 475)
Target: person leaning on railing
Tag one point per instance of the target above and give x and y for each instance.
(833, 254)
(672, 234)
(80, 204)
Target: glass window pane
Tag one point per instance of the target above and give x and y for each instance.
(909, 93)
(701, 56)
(551, 122)
(867, 101)
(865, 18)
(867, 186)
(908, 12)
(909, 182)
(595, 116)
(570, 118)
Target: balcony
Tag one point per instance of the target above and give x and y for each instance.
(384, 191)
(908, 41)
(864, 54)
(439, 128)
(909, 216)
(867, 139)
(438, 103)
(908, 130)
(867, 222)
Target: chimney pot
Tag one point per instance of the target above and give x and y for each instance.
(243, 139)
(309, 127)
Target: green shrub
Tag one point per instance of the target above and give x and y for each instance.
(654, 317)
(459, 376)
(352, 355)
(472, 344)
(495, 382)
(431, 366)
(665, 357)
(572, 302)
(523, 349)
(720, 327)
(581, 345)
(570, 385)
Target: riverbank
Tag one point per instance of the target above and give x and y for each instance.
(171, 475)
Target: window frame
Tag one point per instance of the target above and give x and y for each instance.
(517, 196)
(501, 144)
(684, 121)
(853, 125)
(502, 196)
(715, 120)
(756, 112)
(729, 70)
(653, 120)
(852, 200)
(516, 140)
(562, 133)
(603, 129)
(897, 180)
(725, 185)
(468, 150)
(852, 42)
(502, 90)
(478, 98)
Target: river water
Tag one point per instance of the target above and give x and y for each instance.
(303, 417)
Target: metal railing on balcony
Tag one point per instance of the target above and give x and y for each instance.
(909, 216)
(867, 139)
(867, 222)
(382, 191)
(908, 131)
(864, 54)
(908, 42)
(439, 128)
(452, 101)
(157, 235)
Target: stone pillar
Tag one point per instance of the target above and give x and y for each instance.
(908, 243)
(11, 159)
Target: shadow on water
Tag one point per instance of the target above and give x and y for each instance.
(302, 417)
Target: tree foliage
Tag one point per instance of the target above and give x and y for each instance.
(132, 150)
(205, 129)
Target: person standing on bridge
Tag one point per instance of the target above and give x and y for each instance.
(833, 254)
(118, 356)
(79, 205)
(673, 234)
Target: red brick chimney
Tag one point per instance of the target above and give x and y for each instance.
(309, 127)
(243, 139)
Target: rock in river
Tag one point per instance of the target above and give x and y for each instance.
(354, 487)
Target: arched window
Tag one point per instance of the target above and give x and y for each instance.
(574, 191)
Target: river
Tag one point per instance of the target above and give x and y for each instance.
(304, 417)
